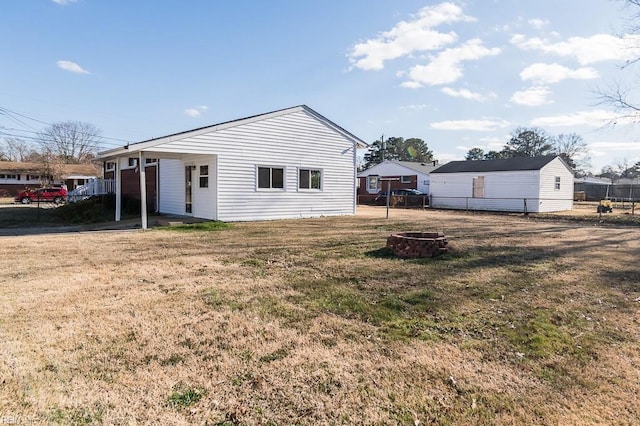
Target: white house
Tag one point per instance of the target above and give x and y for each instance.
(410, 175)
(290, 163)
(527, 184)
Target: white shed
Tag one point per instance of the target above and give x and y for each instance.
(291, 163)
(526, 184)
(410, 174)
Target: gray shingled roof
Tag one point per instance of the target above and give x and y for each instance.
(502, 165)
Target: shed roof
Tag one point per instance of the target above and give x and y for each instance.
(501, 165)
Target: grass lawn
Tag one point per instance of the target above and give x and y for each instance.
(525, 321)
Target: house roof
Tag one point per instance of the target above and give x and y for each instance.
(139, 146)
(36, 168)
(420, 167)
(501, 165)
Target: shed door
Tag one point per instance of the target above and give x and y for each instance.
(478, 187)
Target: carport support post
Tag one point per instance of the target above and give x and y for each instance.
(118, 177)
(143, 189)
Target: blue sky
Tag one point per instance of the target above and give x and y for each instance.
(458, 74)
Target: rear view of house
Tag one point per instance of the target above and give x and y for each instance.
(290, 163)
(526, 184)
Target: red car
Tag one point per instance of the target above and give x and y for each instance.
(55, 195)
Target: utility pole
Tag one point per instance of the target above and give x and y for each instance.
(384, 146)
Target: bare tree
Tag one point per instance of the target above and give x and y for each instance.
(51, 168)
(73, 142)
(17, 150)
(617, 95)
(573, 150)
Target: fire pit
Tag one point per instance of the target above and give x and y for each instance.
(417, 244)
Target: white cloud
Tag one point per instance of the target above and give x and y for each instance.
(533, 96)
(587, 50)
(615, 146)
(72, 67)
(538, 23)
(595, 118)
(467, 94)
(447, 65)
(64, 2)
(407, 37)
(553, 73)
(415, 107)
(475, 125)
(196, 111)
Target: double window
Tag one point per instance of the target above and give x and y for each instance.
(270, 177)
(309, 179)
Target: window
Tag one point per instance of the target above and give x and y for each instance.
(309, 179)
(405, 179)
(204, 176)
(16, 177)
(133, 162)
(110, 165)
(270, 178)
(150, 160)
(557, 186)
(478, 187)
(373, 183)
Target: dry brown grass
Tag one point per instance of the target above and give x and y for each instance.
(311, 322)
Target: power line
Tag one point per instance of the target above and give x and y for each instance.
(10, 114)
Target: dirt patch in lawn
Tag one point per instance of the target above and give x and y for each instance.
(311, 321)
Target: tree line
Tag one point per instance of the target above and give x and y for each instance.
(66, 142)
(524, 142)
(533, 142)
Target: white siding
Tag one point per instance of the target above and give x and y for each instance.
(552, 200)
(507, 190)
(292, 140)
(504, 191)
(171, 182)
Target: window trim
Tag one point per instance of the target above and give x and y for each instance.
(556, 184)
(203, 176)
(311, 170)
(110, 166)
(271, 168)
(372, 178)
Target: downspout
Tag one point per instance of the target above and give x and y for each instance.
(118, 178)
(355, 176)
(143, 189)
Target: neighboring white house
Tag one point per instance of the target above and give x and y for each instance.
(291, 163)
(410, 175)
(527, 184)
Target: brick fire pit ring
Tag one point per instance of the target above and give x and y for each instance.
(417, 244)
